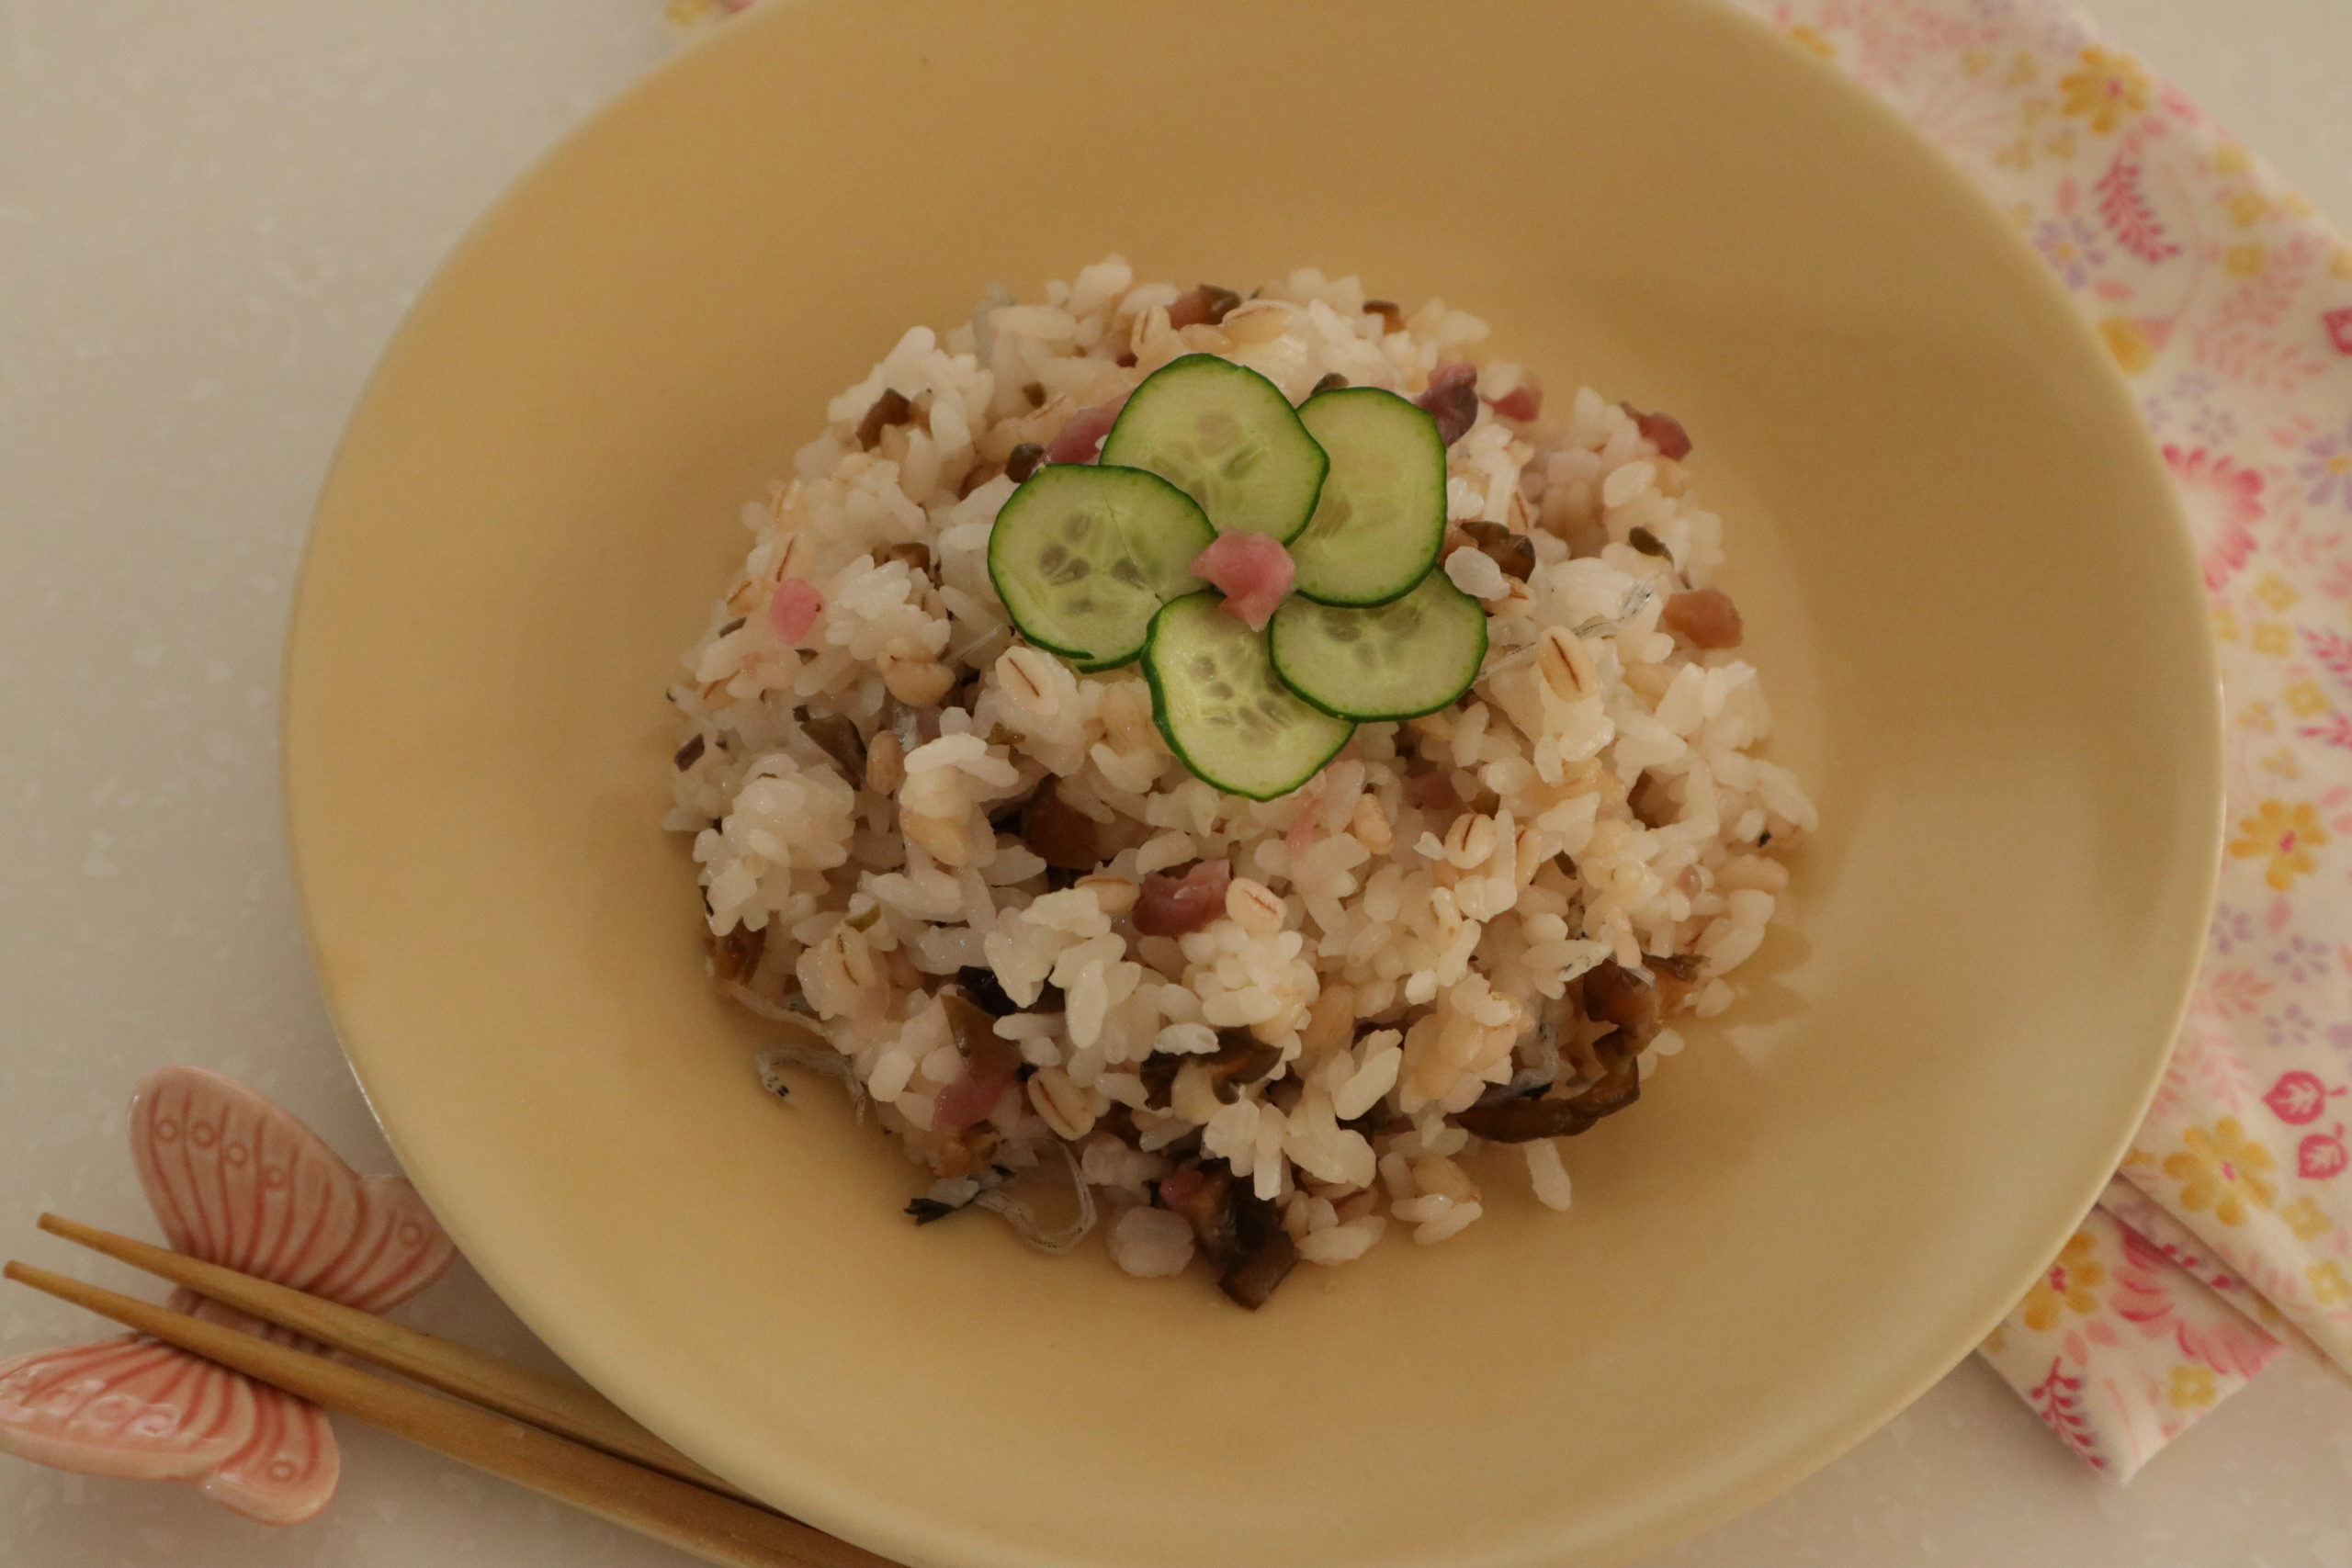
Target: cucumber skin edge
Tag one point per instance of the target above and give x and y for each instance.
(1485, 642)
(1159, 719)
(1322, 475)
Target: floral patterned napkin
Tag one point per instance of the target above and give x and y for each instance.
(2229, 304)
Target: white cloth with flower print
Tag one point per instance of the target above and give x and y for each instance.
(2229, 304)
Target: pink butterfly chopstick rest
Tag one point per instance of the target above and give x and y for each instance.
(236, 1179)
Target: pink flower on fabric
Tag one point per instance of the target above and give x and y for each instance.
(2299, 1097)
(2229, 498)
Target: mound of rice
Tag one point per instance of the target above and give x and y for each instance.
(1423, 929)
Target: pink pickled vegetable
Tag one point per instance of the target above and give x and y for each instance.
(1172, 905)
(1523, 401)
(1252, 570)
(1452, 400)
(1082, 438)
(793, 611)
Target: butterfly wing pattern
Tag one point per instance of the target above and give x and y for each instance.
(236, 1179)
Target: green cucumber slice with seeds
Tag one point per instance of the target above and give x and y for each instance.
(1084, 555)
(1225, 436)
(1400, 659)
(1225, 713)
(1380, 521)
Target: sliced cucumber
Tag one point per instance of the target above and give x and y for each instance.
(1380, 518)
(1223, 712)
(1083, 556)
(1400, 659)
(1229, 438)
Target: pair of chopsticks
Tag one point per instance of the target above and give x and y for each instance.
(559, 1440)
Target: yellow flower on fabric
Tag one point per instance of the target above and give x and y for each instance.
(2306, 1218)
(2066, 1286)
(2023, 69)
(2256, 716)
(2328, 1283)
(2242, 261)
(1975, 62)
(2221, 1169)
(2339, 260)
(1996, 1341)
(2231, 158)
(2275, 590)
(2225, 624)
(2283, 763)
(2295, 204)
(2305, 700)
(2105, 88)
(2287, 834)
(2192, 1388)
(2273, 639)
(2247, 207)
(2128, 343)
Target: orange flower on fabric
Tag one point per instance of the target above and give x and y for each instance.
(2129, 346)
(2192, 1388)
(2286, 835)
(2222, 1170)
(2066, 1286)
(2105, 88)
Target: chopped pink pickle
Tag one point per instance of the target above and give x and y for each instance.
(1172, 905)
(1453, 400)
(967, 1102)
(1252, 570)
(794, 610)
(1082, 439)
(1523, 402)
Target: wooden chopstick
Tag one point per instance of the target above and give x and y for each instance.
(567, 1409)
(714, 1527)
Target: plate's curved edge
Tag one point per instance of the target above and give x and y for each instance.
(899, 1534)
(2188, 943)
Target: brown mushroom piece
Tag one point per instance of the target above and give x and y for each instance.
(1268, 1253)
(891, 408)
(1614, 994)
(987, 1056)
(982, 986)
(735, 955)
(839, 738)
(1203, 1196)
(1239, 1060)
(1025, 460)
(1518, 1120)
(1515, 553)
(1059, 833)
(1523, 1121)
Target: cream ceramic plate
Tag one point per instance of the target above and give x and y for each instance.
(1966, 583)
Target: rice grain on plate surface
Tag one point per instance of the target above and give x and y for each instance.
(1048, 955)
